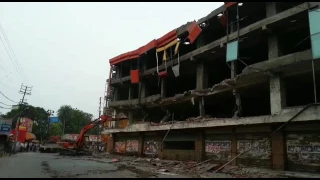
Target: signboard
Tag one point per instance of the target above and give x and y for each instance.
(54, 120)
(5, 127)
(73, 137)
(132, 146)
(25, 124)
(70, 137)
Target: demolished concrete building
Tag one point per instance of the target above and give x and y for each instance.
(240, 79)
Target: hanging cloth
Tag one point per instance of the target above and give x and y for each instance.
(176, 68)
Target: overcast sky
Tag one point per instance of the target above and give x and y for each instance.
(64, 48)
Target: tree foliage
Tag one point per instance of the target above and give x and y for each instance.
(73, 119)
(56, 129)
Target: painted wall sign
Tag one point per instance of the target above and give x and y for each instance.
(120, 147)
(262, 151)
(132, 146)
(213, 147)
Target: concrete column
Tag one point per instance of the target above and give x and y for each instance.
(130, 113)
(277, 95)
(202, 83)
(278, 150)
(164, 87)
(130, 117)
(116, 94)
(141, 143)
(200, 146)
(277, 89)
(130, 96)
(202, 111)
(234, 70)
(234, 146)
(110, 145)
(202, 76)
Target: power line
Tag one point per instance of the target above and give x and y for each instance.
(7, 97)
(4, 107)
(5, 104)
(19, 73)
(12, 52)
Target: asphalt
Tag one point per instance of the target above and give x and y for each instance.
(43, 165)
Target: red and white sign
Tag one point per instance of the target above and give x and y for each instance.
(73, 137)
(25, 124)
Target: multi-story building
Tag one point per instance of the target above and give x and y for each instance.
(243, 77)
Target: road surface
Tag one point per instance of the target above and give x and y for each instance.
(44, 165)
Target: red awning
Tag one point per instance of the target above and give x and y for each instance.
(194, 31)
(229, 4)
(170, 36)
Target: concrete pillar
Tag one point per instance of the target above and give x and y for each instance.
(278, 150)
(202, 76)
(164, 87)
(234, 147)
(130, 117)
(277, 95)
(116, 94)
(130, 96)
(143, 91)
(234, 70)
(110, 144)
(277, 89)
(202, 111)
(202, 83)
(200, 146)
(141, 143)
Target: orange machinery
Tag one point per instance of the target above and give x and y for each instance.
(76, 148)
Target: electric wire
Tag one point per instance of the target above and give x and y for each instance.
(12, 52)
(7, 97)
(19, 73)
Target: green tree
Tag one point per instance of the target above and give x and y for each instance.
(73, 118)
(56, 129)
(64, 114)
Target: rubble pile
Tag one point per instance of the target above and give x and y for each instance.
(192, 168)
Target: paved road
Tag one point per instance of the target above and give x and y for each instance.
(43, 165)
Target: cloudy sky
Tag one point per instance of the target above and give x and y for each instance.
(64, 49)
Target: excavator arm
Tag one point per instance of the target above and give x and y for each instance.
(77, 147)
(80, 140)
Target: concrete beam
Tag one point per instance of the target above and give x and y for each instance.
(244, 31)
(310, 114)
(148, 99)
(279, 62)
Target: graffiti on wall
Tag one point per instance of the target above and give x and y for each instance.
(218, 150)
(303, 148)
(213, 147)
(150, 147)
(120, 147)
(132, 146)
(259, 149)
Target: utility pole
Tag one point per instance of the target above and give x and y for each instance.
(25, 90)
(99, 117)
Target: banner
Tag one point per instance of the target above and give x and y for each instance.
(25, 124)
(53, 120)
(5, 127)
